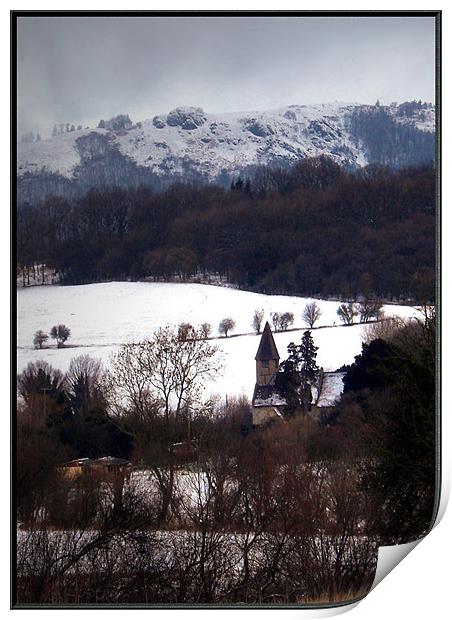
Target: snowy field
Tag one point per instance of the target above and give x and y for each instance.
(103, 316)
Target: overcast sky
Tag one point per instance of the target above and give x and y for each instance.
(79, 70)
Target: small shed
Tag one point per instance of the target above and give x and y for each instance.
(185, 452)
(110, 468)
(73, 469)
(105, 469)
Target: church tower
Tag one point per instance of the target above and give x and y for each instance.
(267, 359)
(266, 400)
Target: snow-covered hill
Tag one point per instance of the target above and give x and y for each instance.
(102, 316)
(190, 143)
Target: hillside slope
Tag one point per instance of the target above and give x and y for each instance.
(103, 316)
(190, 144)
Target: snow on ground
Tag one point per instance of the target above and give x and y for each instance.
(224, 141)
(331, 389)
(103, 316)
(216, 142)
(58, 154)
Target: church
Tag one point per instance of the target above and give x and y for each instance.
(266, 400)
(268, 404)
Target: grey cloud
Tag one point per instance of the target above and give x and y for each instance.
(81, 69)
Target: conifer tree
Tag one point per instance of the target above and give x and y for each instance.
(296, 375)
(308, 355)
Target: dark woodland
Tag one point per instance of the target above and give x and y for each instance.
(315, 229)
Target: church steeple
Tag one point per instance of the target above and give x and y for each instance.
(267, 358)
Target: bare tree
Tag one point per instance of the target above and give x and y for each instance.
(162, 375)
(347, 313)
(369, 310)
(387, 329)
(286, 319)
(37, 454)
(126, 384)
(258, 318)
(282, 320)
(184, 331)
(276, 317)
(225, 326)
(39, 379)
(206, 330)
(84, 380)
(311, 313)
(50, 561)
(40, 338)
(60, 333)
(170, 368)
(177, 368)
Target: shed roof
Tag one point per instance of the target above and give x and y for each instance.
(76, 463)
(110, 460)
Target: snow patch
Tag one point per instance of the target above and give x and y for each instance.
(228, 142)
(103, 316)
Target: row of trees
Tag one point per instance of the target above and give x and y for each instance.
(59, 333)
(61, 128)
(315, 230)
(116, 123)
(368, 310)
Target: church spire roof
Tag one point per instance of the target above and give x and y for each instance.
(267, 348)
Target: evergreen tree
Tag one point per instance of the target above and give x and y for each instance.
(308, 356)
(375, 368)
(296, 375)
(288, 380)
